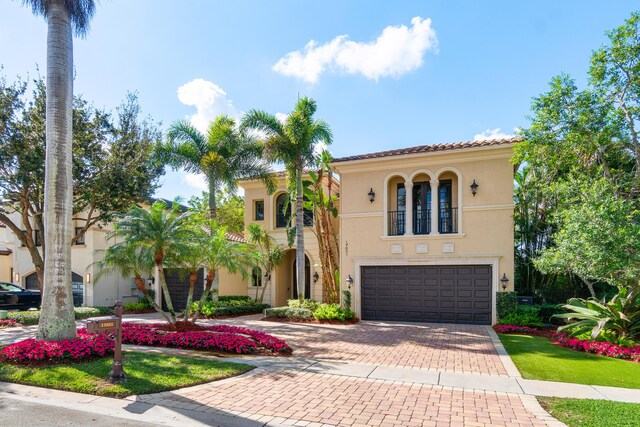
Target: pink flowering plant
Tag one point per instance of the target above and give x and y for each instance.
(601, 348)
(514, 329)
(8, 323)
(230, 339)
(82, 347)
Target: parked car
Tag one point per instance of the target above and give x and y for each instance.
(15, 297)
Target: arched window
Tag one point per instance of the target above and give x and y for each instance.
(256, 276)
(283, 211)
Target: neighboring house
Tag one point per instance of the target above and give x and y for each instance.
(6, 252)
(437, 238)
(268, 210)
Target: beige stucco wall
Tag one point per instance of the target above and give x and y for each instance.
(485, 230)
(281, 287)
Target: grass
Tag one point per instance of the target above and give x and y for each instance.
(592, 413)
(537, 358)
(146, 373)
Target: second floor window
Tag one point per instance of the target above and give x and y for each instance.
(259, 210)
(283, 211)
(256, 277)
(80, 240)
(37, 237)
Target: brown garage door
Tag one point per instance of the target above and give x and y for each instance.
(441, 293)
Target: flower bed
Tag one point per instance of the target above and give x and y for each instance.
(230, 339)
(514, 329)
(84, 346)
(8, 323)
(601, 348)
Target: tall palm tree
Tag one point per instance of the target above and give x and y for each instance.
(163, 231)
(130, 260)
(224, 155)
(292, 142)
(220, 252)
(57, 319)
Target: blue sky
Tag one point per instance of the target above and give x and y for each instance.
(405, 73)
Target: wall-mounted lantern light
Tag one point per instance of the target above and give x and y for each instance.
(372, 195)
(16, 278)
(315, 277)
(349, 281)
(504, 281)
(87, 278)
(474, 187)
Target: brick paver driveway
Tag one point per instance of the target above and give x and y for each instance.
(312, 399)
(445, 348)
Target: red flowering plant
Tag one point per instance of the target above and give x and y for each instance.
(7, 323)
(514, 329)
(82, 347)
(601, 348)
(220, 338)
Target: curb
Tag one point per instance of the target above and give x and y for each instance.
(508, 364)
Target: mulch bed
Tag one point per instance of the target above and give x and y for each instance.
(310, 321)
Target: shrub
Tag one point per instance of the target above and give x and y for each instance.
(513, 329)
(346, 299)
(104, 311)
(220, 337)
(228, 308)
(333, 312)
(32, 317)
(289, 312)
(81, 347)
(25, 317)
(309, 304)
(520, 319)
(506, 303)
(136, 306)
(547, 311)
(619, 316)
(229, 298)
(86, 312)
(7, 323)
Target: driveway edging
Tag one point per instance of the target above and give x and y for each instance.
(508, 364)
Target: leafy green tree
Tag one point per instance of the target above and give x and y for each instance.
(130, 261)
(268, 255)
(164, 232)
(230, 209)
(292, 142)
(57, 319)
(224, 155)
(583, 154)
(113, 165)
(217, 251)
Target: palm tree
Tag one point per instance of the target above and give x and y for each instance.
(130, 260)
(220, 252)
(293, 143)
(164, 232)
(268, 254)
(57, 319)
(224, 155)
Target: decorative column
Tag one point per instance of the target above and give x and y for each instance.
(408, 205)
(435, 206)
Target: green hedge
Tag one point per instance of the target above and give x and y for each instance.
(33, 316)
(333, 312)
(229, 307)
(289, 312)
(309, 309)
(309, 304)
(228, 298)
(506, 303)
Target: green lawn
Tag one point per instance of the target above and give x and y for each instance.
(146, 373)
(592, 413)
(537, 358)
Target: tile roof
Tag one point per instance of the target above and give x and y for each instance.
(429, 149)
(236, 237)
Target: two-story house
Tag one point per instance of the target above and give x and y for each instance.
(427, 231)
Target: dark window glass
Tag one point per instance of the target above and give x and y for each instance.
(80, 241)
(37, 237)
(259, 210)
(256, 277)
(402, 197)
(283, 211)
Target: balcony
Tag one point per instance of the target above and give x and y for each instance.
(397, 223)
(448, 221)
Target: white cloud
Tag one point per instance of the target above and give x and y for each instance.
(209, 99)
(493, 134)
(396, 51)
(196, 181)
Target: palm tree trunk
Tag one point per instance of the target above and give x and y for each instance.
(140, 284)
(211, 275)
(213, 213)
(193, 276)
(299, 236)
(165, 292)
(57, 319)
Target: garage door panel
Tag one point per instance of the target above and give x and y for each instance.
(451, 294)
